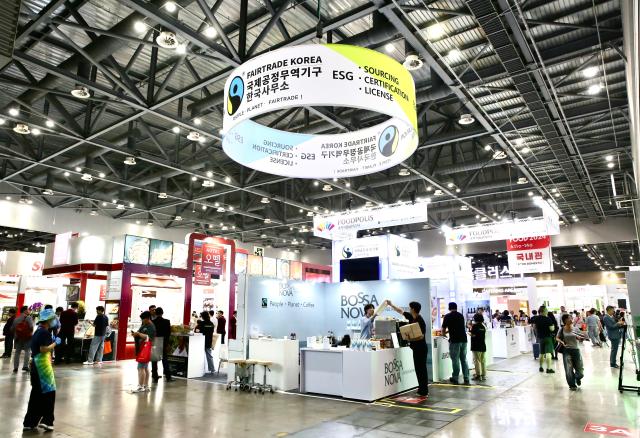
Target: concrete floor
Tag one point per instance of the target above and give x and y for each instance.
(516, 402)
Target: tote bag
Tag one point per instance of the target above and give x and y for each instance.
(144, 355)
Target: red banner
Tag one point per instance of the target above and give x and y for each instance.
(197, 251)
(213, 259)
(527, 243)
(201, 278)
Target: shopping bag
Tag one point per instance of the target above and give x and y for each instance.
(144, 355)
(107, 347)
(156, 351)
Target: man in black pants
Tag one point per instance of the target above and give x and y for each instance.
(163, 330)
(418, 346)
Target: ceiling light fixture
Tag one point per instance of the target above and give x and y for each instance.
(609, 158)
(347, 184)
(167, 40)
(519, 141)
(227, 179)
(327, 188)
(132, 204)
(50, 123)
(210, 32)
(265, 200)
(209, 174)
(181, 49)
(140, 26)
(170, 6)
(499, 155)
(178, 218)
(611, 165)
(412, 62)
(197, 121)
(162, 195)
(2, 121)
(130, 160)
(208, 183)
(120, 206)
(194, 178)
(14, 112)
(93, 213)
(36, 131)
(389, 48)
(594, 89)
(434, 32)
(47, 192)
(193, 136)
(176, 129)
(590, 72)
(87, 177)
(404, 172)
(21, 128)
(454, 55)
(466, 119)
(487, 148)
(81, 92)
(522, 180)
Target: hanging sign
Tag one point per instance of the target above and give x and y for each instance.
(530, 254)
(212, 259)
(347, 224)
(201, 278)
(320, 75)
(507, 229)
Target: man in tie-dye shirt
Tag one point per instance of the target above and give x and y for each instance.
(43, 384)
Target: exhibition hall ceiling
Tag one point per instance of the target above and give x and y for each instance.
(515, 99)
(15, 239)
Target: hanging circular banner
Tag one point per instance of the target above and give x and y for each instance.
(332, 75)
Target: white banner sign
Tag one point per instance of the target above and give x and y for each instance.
(530, 255)
(347, 224)
(332, 75)
(519, 228)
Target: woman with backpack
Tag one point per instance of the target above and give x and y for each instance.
(22, 332)
(568, 346)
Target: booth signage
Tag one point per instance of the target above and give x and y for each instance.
(518, 228)
(529, 255)
(201, 278)
(346, 225)
(320, 75)
(492, 272)
(61, 249)
(213, 259)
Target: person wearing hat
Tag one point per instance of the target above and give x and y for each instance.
(43, 384)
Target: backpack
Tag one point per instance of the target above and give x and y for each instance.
(23, 330)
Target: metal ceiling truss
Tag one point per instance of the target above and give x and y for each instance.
(131, 113)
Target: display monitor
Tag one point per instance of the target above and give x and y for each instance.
(364, 269)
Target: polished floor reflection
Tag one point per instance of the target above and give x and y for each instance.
(516, 401)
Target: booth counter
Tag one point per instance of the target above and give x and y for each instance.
(186, 355)
(442, 367)
(357, 375)
(284, 355)
(525, 338)
(506, 342)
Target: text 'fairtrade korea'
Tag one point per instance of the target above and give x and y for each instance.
(313, 76)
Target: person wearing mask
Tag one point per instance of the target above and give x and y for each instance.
(42, 399)
(221, 328)
(573, 367)
(478, 347)
(146, 332)
(8, 334)
(366, 322)
(100, 324)
(233, 324)
(22, 330)
(205, 326)
(545, 327)
(453, 324)
(594, 327)
(163, 330)
(68, 322)
(152, 311)
(614, 333)
(418, 346)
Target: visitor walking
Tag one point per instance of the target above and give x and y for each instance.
(96, 349)
(205, 326)
(614, 333)
(22, 332)
(545, 327)
(42, 399)
(573, 367)
(556, 322)
(453, 324)
(594, 327)
(146, 332)
(221, 328)
(418, 346)
(478, 347)
(8, 334)
(68, 323)
(163, 332)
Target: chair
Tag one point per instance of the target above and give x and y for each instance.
(262, 387)
(243, 376)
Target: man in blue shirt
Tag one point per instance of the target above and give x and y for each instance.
(366, 322)
(614, 332)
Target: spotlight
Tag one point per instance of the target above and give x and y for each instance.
(50, 123)
(210, 32)
(14, 112)
(590, 72)
(466, 119)
(170, 7)
(140, 26)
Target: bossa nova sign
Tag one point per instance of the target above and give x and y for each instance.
(320, 75)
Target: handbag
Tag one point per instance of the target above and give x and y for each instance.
(107, 347)
(144, 355)
(157, 349)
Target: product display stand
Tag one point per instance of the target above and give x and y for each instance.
(621, 386)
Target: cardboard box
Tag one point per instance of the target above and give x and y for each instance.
(411, 332)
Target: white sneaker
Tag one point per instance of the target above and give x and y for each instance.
(87, 363)
(45, 427)
(139, 389)
(147, 389)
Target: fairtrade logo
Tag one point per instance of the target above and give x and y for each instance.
(325, 226)
(236, 93)
(346, 252)
(388, 141)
